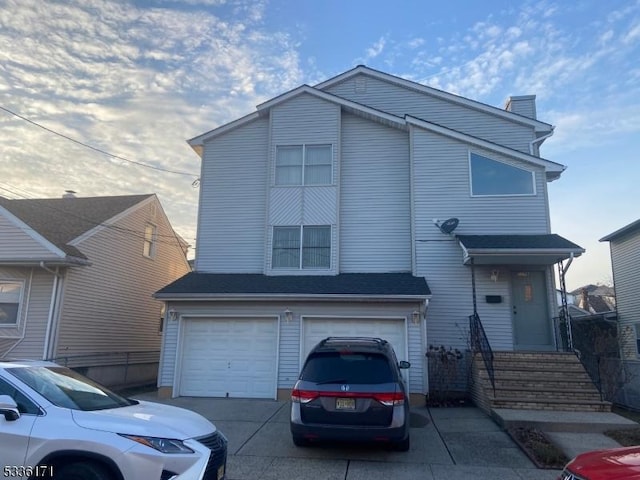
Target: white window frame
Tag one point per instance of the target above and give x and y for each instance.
(303, 179)
(301, 248)
(480, 195)
(150, 245)
(20, 301)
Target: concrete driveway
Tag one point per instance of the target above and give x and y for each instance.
(446, 444)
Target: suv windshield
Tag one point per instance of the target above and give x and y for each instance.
(65, 388)
(347, 367)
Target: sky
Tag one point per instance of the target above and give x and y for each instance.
(136, 79)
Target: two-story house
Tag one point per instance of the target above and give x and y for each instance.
(324, 213)
(77, 276)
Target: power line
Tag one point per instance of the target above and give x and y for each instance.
(104, 152)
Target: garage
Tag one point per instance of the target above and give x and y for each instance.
(229, 357)
(392, 330)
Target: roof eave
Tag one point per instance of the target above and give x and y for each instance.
(621, 231)
(288, 296)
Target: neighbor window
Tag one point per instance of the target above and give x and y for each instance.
(637, 328)
(297, 247)
(10, 294)
(303, 165)
(150, 240)
(490, 177)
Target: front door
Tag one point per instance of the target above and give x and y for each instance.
(531, 324)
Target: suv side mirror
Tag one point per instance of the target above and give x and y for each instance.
(404, 364)
(9, 408)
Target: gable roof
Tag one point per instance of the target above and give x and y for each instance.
(622, 231)
(553, 169)
(61, 220)
(467, 102)
(241, 285)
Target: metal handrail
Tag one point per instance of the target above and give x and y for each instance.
(480, 343)
(108, 358)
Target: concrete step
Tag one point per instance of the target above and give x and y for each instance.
(550, 421)
(524, 402)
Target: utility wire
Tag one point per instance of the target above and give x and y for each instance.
(104, 152)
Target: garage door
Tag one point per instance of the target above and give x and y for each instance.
(229, 357)
(315, 329)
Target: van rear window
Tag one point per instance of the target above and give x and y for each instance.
(347, 367)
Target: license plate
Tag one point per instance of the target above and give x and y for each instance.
(221, 472)
(345, 403)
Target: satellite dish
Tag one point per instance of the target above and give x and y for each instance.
(449, 225)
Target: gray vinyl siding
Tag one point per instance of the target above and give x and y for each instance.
(16, 244)
(375, 204)
(27, 340)
(440, 191)
(290, 332)
(625, 260)
(303, 120)
(399, 101)
(108, 306)
(231, 218)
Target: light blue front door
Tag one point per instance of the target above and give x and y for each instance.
(531, 323)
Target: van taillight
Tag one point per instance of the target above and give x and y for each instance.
(389, 399)
(303, 396)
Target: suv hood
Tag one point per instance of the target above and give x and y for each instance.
(146, 419)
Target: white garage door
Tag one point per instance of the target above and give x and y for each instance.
(229, 357)
(315, 329)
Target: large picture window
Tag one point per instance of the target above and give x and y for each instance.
(306, 247)
(303, 165)
(490, 177)
(10, 294)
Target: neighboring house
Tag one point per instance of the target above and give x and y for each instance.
(76, 282)
(323, 213)
(625, 262)
(595, 299)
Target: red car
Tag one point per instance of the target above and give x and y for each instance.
(612, 464)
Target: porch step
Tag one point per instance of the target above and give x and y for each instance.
(536, 381)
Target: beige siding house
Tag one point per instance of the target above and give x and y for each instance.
(76, 282)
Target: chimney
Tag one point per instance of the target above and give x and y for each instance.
(585, 300)
(69, 194)
(524, 105)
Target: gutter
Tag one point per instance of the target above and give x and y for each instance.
(286, 296)
(540, 140)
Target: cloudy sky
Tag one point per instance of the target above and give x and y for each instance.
(137, 78)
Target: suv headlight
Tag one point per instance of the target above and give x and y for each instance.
(164, 445)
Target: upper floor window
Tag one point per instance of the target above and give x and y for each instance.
(303, 165)
(491, 177)
(150, 241)
(298, 247)
(10, 294)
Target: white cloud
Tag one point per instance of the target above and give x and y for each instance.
(376, 49)
(135, 82)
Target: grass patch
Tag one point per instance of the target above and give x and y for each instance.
(535, 444)
(627, 437)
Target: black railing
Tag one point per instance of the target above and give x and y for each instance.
(480, 344)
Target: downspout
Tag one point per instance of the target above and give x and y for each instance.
(51, 320)
(540, 140)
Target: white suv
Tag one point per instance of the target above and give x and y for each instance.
(57, 424)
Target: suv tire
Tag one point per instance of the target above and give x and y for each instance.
(81, 471)
(403, 445)
(300, 441)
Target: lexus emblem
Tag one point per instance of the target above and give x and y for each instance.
(344, 388)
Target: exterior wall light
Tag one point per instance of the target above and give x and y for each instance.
(288, 315)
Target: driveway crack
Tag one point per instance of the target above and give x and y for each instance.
(441, 437)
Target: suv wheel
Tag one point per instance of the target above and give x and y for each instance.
(81, 471)
(300, 441)
(403, 445)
